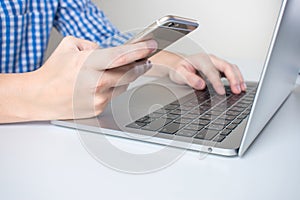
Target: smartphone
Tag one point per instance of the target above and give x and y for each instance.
(166, 31)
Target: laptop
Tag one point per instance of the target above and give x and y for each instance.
(165, 113)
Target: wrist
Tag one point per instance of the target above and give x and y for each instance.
(41, 96)
(34, 97)
(31, 101)
(17, 97)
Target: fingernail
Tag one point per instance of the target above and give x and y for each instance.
(245, 86)
(199, 84)
(238, 87)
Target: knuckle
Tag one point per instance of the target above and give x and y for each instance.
(68, 38)
(180, 70)
(213, 73)
(212, 56)
(94, 45)
(187, 62)
(100, 103)
(234, 81)
(103, 83)
(229, 72)
(235, 66)
(98, 110)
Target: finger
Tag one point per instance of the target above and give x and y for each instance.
(84, 45)
(213, 77)
(183, 75)
(123, 75)
(241, 78)
(207, 69)
(232, 73)
(118, 56)
(70, 43)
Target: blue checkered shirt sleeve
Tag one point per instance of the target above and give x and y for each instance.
(83, 19)
(25, 27)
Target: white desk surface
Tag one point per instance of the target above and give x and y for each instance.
(39, 161)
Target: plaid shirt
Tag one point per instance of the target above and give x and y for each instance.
(26, 26)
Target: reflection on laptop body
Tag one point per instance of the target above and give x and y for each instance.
(160, 111)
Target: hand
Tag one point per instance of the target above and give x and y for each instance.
(184, 72)
(79, 79)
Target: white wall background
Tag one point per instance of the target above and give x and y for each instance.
(232, 29)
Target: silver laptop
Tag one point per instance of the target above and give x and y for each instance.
(165, 113)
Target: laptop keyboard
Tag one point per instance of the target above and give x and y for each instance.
(200, 115)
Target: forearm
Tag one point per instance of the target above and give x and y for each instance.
(162, 63)
(17, 98)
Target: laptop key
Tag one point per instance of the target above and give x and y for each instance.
(205, 117)
(186, 133)
(197, 111)
(142, 119)
(203, 122)
(175, 103)
(162, 111)
(232, 126)
(155, 115)
(225, 132)
(221, 122)
(171, 116)
(171, 128)
(147, 121)
(136, 125)
(196, 127)
(232, 113)
(219, 138)
(191, 115)
(170, 107)
(237, 121)
(183, 120)
(217, 127)
(242, 105)
(206, 134)
(227, 117)
(242, 116)
(177, 112)
(186, 108)
(156, 124)
(238, 109)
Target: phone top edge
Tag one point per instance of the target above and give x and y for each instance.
(178, 29)
(190, 25)
(168, 18)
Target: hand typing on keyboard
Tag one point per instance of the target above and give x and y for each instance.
(185, 70)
